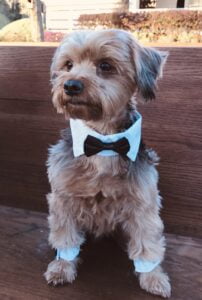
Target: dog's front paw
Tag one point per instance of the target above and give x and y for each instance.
(60, 271)
(156, 282)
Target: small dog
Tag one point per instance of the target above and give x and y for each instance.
(101, 175)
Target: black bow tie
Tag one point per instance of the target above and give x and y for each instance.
(93, 145)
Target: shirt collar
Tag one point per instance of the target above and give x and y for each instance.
(80, 131)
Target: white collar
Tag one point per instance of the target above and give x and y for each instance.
(80, 131)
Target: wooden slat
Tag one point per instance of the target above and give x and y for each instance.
(69, 3)
(172, 125)
(81, 7)
(23, 154)
(73, 12)
(106, 272)
(60, 15)
(64, 20)
(61, 25)
(25, 75)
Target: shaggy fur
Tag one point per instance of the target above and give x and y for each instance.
(96, 194)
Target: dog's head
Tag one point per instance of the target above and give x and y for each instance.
(95, 74)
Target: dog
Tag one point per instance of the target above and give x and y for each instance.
(102, 176)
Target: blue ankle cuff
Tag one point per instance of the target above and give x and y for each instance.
(68, 254)
(145, 266)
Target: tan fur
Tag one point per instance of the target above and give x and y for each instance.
(98, 193)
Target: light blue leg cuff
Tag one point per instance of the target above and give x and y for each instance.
(145, 266)
(68, 254)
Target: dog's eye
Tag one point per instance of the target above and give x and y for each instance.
(69, 65)
(105, 66)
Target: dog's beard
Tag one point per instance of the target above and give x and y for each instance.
(77, 107)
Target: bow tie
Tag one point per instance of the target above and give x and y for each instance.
(122, 143)
(92, 146)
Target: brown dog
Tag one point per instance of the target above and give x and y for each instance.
(99, 185)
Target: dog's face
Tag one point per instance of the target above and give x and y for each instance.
(95, 74)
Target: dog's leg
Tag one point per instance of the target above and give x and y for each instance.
(65, 238)
(156, 282)
(146, 248)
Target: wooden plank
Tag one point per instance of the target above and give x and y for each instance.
(61, 25)
(176, 125)
(65, 19)
(106, 272)
(171, 125)
(25, 75)
(81, 7)
(64, 16)
(64, 3)
(23, 155)
(167, 45)
(76, 11)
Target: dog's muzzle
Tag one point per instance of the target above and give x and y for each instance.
(73, 87)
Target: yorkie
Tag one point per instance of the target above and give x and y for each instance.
(101, 175)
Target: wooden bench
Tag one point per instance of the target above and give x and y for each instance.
(172, 125)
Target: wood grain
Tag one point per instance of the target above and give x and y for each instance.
(106, 272)
(172, 125)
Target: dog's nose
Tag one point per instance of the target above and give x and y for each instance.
(73, 87)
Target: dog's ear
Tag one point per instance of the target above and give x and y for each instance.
(149, 64)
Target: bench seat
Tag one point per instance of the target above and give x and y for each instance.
(105, 274)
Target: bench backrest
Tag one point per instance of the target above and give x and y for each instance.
(172, 125)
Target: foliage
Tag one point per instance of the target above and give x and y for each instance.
(3, 20)
(183, 26)
(10, 9)
(17, 31)
(163, 26)
(53, 36)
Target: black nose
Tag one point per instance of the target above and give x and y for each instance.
(73, 87)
